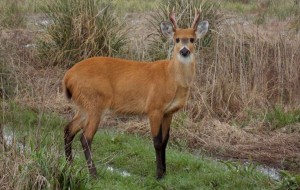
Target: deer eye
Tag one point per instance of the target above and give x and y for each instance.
(177, 40)
(192, 40)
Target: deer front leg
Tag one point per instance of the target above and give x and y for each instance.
(166, 122)
(160, 128)
(155, 118)
(158, 145)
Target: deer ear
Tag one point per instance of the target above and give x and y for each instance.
(201, 29)
(167, 29)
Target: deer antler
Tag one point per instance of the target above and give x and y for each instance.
(172, 18)
(197, 18)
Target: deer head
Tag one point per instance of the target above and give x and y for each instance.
(184, 39)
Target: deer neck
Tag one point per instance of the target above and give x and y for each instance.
(183, 70)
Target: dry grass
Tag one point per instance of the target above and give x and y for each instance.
(29, 83)
(248, 69)
(80, 29)
(11, 162)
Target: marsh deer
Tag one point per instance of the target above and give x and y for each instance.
(157, 89)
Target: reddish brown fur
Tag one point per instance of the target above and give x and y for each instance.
(124, 86)
(157, 89)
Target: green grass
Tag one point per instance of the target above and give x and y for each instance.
(42, 164)
(185, 171)
(34, 159)
(11, 14)
(275, 118)
(283, 9)
(278, 118)
(239, 7)
(14, 13)
(289, 181)
(271, 8)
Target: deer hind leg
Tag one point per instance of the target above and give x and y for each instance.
(94, 103)
(87, 138)
(69, 133)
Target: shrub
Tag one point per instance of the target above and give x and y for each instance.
(79, 29)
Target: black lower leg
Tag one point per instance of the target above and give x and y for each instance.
(164, 146)
(68, 144)
(159, 154)
(86, 145)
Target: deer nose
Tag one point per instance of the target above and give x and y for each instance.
(184, 52)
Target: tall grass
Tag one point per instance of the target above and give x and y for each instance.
(282, 10)
(33, 156)
(80, 29)
(249, 70)
(12, 14)
(295, 24)
(6, 86)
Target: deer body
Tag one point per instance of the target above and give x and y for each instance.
(157, 89)
(130, 87)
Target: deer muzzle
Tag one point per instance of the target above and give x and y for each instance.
(184, 52)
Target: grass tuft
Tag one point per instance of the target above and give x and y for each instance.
(78, 30)
(289, 181)
(34, 158)
(278, 118)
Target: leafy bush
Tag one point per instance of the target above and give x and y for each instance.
(79, 29)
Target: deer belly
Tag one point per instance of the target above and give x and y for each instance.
(125, 105)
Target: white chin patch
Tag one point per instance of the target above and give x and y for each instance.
(185, 60)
